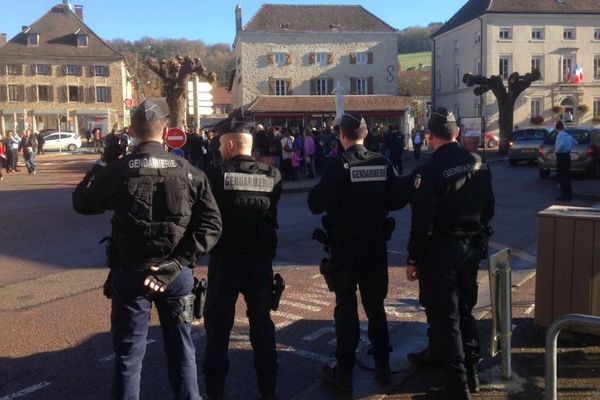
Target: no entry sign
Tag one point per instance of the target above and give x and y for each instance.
(175, 138)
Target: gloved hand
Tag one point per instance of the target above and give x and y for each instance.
(112, 150)
(162, 276)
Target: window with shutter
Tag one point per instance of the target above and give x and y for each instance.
(370, 85)
(64, 94)
(14, 69)
(329, 85)
(21, 92)
(352, 85)
(288, 87)
(330, 58)
(3, 93)
(352, 58)
(80, 93)
(270, 58)
(34, 92)
(288, 59)
(311, 58)
(108, 95)
(102, 94)
(43, 92)
(50, 93)
(271, 86)
(369, 58)
(313, 87)
(92, 70)
(321, 87)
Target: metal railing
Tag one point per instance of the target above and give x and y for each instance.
(551, 339)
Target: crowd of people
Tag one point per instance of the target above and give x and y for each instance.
(28, 144)
(301, 153)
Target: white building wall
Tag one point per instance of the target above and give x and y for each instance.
(551, 90)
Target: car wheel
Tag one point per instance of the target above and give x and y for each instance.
(544, 173)
(492, 143)
(512, 162)
(72, 147)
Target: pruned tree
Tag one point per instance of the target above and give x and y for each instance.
(175, 73)
(505, 98)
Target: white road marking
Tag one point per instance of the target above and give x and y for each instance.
(315, 276)
(403, 315)
(239, 338)
(306, 354)
(309, 298)
(241, 321)
(282, 314)
(283, 324)
(311, 337)
(300, 305)
(318, 290)
(530, 309)
(26, 391)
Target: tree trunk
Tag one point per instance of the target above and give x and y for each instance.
(177, 112)
(506, 118)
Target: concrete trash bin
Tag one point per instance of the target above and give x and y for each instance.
(568, 265)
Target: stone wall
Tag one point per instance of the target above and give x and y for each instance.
(255, 68)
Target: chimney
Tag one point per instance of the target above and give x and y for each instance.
(2, 39)
(238, 19)
(79, 11)
(68, 4)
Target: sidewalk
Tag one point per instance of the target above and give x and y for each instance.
(582, 188)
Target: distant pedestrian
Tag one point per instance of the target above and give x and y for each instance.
(562, 147)
(417, 139)
(2, 157)
(12, 146)
(310, 151)
(27, 148)
(41, 141)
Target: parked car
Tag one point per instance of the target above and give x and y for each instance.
(490, 140)
(524, 145)
(64, 140)
(585, 156)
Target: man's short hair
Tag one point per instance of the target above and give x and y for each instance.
(442, 124)
(559, 125)
(354, 126)
(233, 126)
(148, 119)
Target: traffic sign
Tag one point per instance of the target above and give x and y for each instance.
(175, 138)
(204, 87)
(203, 96)
(205, 111)
(204, 103)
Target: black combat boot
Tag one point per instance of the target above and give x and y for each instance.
(338, 377)
(426, 358)
(473, 378)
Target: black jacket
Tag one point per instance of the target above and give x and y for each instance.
(247, 193)
(163, 207)
(452, 196)
(356, 190)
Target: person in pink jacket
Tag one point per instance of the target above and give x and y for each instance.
(310, 150)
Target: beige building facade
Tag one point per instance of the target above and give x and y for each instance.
(57, 74)
(306, 51)
(502, 37)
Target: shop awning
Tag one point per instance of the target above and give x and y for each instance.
(320, 104)
(11, 111)
(93, 113)
(50, 112)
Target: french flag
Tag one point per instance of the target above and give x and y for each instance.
(577, 74)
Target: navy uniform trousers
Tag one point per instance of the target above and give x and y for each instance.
(364, 266)
(448, 284)
(227, 277)
(130, 318)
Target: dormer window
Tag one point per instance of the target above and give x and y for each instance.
(82, 40)
(33, 39)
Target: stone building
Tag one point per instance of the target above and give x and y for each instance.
(499, 37)
(289, 59)
(57, 73)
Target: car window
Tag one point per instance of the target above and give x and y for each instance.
(583, 136)
(529, 134)
(51, 137)
(550, 138)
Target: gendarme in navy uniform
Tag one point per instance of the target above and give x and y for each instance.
(247, 193)
(164, 218)
(356, 191)
(452, 204)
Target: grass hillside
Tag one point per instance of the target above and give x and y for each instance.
(412, 60)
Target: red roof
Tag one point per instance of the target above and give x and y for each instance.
(299, 104)
(221, 95)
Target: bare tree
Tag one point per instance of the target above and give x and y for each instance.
(506, 98)
(175, 73)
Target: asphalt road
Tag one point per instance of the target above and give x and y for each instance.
(55, 340)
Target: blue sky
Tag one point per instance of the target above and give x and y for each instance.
(209, 20)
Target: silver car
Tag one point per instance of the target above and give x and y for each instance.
(524, 145)
(585, 156)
